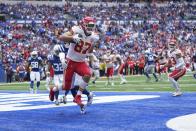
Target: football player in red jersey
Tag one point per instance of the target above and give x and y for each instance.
(179, 68)
(82, 39)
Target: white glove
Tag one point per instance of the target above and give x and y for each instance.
(172, 68)
(77, 38)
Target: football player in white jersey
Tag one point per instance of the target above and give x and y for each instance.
(179, 68)
(95, 67)
(82, 39)
(109, 60)
(34, 64)
(161, 61)
(120, 67)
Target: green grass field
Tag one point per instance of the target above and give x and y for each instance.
(135, 83)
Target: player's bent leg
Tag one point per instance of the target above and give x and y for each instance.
(176, 86)
(82, 85)
(74, 91)
(90, 98)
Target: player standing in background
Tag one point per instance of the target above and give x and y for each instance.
(179, 68)
(150, 65)
(109, 60)
(120, 67)
(95, 67)
(162, 60)
(34, 63)
(82, 40)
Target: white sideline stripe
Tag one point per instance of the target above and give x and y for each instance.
(26, 97)
(183, 123)
(28, 105)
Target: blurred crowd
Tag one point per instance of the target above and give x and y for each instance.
(130, 29)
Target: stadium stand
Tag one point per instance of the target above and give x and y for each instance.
(130, 27)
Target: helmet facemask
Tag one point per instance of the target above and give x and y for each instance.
(88, 24)
(56, 50)
(34, 54)
(172, 46)
(90, 27)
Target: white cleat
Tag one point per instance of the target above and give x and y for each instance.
(57, 102)
(90, 99)
(112, 84)
(123, 82)
(178, 93)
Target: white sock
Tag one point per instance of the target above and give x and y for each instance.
(174, 83)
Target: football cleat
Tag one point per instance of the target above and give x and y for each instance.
(82, 109)
(178, 93)
(90, 99)
(64, 100)
(123, 82)
(51, 95)
(57, 102)
(78, 100)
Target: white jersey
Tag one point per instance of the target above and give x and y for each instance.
(78, 52)
(162, 59)
(179, 61)
(120, 61)
(109, 61)
(95, 63)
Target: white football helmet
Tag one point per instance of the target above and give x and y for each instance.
(88, 24)
(172, 44)
(34, 54)
(56, 49)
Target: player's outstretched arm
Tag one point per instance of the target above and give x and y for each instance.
(70, 37)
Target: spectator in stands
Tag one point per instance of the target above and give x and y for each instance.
(9, 73)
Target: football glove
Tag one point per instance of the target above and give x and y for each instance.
(77, 38)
